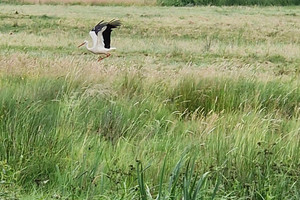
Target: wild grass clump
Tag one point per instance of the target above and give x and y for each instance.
(29, 115)
(190, 184)
(227, 95)
(204, 95)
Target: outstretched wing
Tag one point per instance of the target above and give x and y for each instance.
(99, 27)
(100, 41)
(107, 32)
(94, 38)
(98, 38)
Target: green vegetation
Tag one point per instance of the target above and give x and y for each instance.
(195, 103)
(161, 2)
(229, 2)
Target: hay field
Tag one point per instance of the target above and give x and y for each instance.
(196, 102)
(90, 2)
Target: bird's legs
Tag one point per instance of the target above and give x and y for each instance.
(101, 58)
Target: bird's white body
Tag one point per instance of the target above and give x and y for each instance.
(100, 35)
(98, 45)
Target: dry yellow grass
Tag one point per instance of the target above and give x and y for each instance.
(91, 71)
(159, 42)
(121, 2)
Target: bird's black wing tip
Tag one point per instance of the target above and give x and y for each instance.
(115, 22)
(100, 22)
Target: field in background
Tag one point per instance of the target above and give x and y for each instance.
(163, 2)
(217, 86)
(89, 2)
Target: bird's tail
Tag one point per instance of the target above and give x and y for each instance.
(112, 48)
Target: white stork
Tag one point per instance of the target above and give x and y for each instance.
(100, 35)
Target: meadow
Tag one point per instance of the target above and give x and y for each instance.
(195, 103)
(162, 2)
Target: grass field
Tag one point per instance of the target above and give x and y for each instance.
(201, 97)
(86, 2)
(162, 2)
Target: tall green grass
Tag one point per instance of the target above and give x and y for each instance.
(60, 139)
(206, 96)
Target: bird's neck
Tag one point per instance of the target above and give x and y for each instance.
(87, 46)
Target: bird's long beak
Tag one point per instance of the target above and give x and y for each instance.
(81, 44)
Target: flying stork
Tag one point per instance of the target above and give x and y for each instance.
(100, 35)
